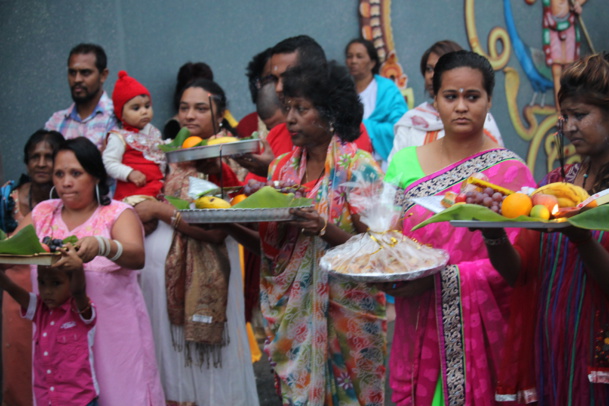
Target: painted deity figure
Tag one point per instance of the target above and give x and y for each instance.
(561, 36)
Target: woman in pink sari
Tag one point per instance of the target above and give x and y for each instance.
(449, 326)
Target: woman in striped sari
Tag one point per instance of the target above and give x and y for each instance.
(558, 354)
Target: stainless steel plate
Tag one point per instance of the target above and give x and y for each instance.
(389, 277)
(204, 216)
(35, 259)
(214, 151)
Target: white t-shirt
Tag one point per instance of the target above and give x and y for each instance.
(368, 98)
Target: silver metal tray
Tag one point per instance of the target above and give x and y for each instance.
(214, 151)
(389, 277)
(35, 259)
(205, 216)
(509, 224)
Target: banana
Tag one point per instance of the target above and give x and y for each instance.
(222, 140)
(568, 195)
(566, 202)
(484, 184)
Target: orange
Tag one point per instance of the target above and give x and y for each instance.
(237, 199)
(516, 204)
(191, 141)
(592, 204)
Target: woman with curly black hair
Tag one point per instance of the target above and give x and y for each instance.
(326, 337)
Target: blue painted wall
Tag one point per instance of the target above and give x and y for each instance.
(151, 39)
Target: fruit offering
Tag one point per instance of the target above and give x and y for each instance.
(192, 141)
(566, 194)
(222, 140)
(54, 244)
(282, 186)
(268, 197)
(488, 197)
(554, 200)
(211, 202)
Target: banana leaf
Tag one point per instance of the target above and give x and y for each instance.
(178, 203)
(71, 239)
(593, 219)
(25, 242)
(177, 141)
(270, 198)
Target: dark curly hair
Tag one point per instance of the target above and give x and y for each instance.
(90, 159)
(587, 81)
(330, 88)
(370, 49)
(464, 59)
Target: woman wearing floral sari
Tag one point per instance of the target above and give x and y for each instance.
(449, 326)
(326, 337)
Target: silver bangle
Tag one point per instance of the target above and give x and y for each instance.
(104, 246)
(496, 241)
(119, 251)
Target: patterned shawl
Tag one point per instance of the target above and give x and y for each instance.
(326, 337)
(196, 277)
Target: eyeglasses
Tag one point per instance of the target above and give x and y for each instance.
(261, 82)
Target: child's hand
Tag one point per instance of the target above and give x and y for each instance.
(69, 261)
(137, 178)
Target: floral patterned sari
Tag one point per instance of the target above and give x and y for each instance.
(455, 330)
(326, 337)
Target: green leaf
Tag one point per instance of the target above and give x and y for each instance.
(168, 148)
(71, 239)
(2, 235)
(471, 212)
(25, 242)
(270, 198)
(593, 219)
(178, 203)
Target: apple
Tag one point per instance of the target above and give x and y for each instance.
(540, 211)
(550, 201)
(460, 198)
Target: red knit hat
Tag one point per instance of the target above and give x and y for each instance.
(125, 89)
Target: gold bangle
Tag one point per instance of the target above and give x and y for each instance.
(175, 219)
(322, 232)
(88, 307)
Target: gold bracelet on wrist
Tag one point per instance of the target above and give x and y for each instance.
(87, 307)
(322, 232)
(175, 219)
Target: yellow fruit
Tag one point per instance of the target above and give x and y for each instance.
(540, 211)
(211, 202)
(191, 141)
(568, 194)
(222, 140)
(566, 202)
(516, 204)
(237, 199)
